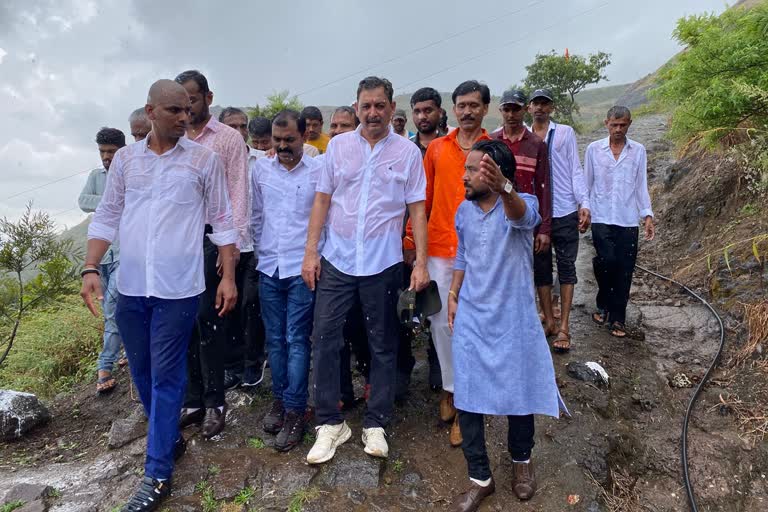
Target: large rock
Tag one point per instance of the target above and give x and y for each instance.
(27, 493)
(20, 413)
(125, 430)
(351, 469)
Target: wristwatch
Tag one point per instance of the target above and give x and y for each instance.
(508, 188)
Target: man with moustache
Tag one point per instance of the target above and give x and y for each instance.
(444, 167)
(283, 193)
(343, 120)
(570, 214)
(140, 124)
(109, 141)
(159, 194)
(501, 359)
(260, 130)
(205, 402)
(399, 120)
(368, 179)
(532, 176)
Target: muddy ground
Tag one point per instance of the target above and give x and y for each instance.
(620, 450)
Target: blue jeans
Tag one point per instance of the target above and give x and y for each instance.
(286, 308)
(110, 352)
(156, 335)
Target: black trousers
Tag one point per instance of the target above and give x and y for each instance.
(336, 293)
(244, 324)
(519, 441)
(616, 248)
(565, 240)
(208, 345)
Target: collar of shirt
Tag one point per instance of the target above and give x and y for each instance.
(526, 133)
(305, 161)
(181, 144)
(213, 125)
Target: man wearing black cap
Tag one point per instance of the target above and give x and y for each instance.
(532, 174)
(570, 213)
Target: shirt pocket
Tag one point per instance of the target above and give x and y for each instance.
(181, 186)
(304, 197)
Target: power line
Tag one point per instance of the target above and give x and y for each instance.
(411, 52)
(46, 184)
(505, 45)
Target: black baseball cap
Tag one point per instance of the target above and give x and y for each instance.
(543, 93)
(517, 97)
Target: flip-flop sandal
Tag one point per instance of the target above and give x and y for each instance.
(618, 330)
(600, 317)
(122, 362)
(105, 384)
(562, 343)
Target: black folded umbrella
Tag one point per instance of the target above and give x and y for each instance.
(422, 304)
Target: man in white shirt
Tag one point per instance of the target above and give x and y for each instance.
(283, 193)
(570, 214)
(140, 124)
(368, 178)
(159, 194)
(617, 179)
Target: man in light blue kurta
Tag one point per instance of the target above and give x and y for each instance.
(502, 364)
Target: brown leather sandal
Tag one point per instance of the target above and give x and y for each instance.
(562, 343)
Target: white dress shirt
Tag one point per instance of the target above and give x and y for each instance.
(618, 189)
(569, 187)
(369, 189)
(160, 203)
(282, 202)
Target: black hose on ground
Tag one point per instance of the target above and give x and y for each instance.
(684, 436)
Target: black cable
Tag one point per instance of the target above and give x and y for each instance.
(684, 436)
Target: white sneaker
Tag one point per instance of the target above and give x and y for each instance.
(375, 442)
(329, 437)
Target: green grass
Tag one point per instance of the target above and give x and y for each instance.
(255, 442)
(309, 438)
(214, 470)
(8, 507)
(398, 466)
(56, 348)
(245, 496)
(301, 498)
(207, 499)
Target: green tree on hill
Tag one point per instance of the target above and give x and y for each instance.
(31, 244)
(566, 76)
(276, 102)
(717, 88)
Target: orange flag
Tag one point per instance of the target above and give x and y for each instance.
(566, 54)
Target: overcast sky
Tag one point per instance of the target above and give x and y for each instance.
(68, 67)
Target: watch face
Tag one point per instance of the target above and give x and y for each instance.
(508, 187)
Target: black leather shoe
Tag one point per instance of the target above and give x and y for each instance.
(149, 496)
(194, 418)
(470, 500)
(179, 447)
(231, 380)
(214, 421)
(292, 432)
(273, 421)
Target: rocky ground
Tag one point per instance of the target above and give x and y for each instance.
(620, 449)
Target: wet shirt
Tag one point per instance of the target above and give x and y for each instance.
(229, 145)
(618, 189)
(569, 186)
(369, 189)
(532, 172)
(282, 202)
(501, 360)
(158, 204)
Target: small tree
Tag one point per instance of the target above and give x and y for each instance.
(565, 76)
(276, 102)
(31, 247)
